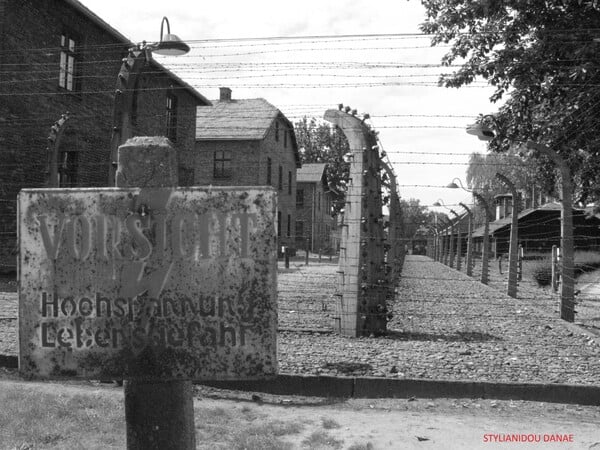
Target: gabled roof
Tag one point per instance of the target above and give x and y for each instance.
(311, 173)
(240, 119)
(97, 20)
(244, 119)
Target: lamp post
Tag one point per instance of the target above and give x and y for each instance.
(485, 133)
(125, 91)
(485, 252)
(567, 302)
(513, 249)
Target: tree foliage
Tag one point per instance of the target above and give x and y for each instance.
(321, 143)
(416, 216)
(541, 57)
(482, 170)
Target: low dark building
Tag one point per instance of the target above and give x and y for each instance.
(539, 230)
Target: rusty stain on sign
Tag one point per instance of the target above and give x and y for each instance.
(155, 283)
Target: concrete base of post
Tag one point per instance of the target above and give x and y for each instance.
(159, 415)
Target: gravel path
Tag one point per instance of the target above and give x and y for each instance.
(446, 326)
(449, 326)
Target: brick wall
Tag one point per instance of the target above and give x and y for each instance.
(318, 231)
(31, 101)
(249, 160)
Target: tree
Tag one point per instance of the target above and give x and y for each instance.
(541, 56)
(415, 216)
(321, 143)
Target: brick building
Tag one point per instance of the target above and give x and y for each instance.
(57, 57)
(249, 142)
(314, 198)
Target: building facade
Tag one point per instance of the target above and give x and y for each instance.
(58, 57)
(314, 221)
(249, 142)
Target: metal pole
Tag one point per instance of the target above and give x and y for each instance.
(514, 238)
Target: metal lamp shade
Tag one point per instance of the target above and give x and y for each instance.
(171, 45)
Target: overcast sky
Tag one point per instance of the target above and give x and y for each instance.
(380, 66)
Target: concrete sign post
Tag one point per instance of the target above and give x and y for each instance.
(151, 283)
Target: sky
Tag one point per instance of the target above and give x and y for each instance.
(310, 56)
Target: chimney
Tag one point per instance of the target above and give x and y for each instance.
(224, 94)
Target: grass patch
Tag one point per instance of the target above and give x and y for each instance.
(321, 440)
(329, 424)
(586, 262)
(540, 268)
(367, 446)
(541, 272)
(241, 429)
(52, 417)
(33, 419)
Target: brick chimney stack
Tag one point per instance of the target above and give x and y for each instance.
(224, 94)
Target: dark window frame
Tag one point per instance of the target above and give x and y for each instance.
(222, 168)
(280, 181)
(299, 198)
(69, 76)
(278, 223)
(299, 229)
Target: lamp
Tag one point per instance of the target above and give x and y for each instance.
(126, 90)
(481, 130)
(170, 44)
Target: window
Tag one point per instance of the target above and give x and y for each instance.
(290, 182)
(222, 166)
(280, 182)
(67, 76)
(299, 198)
(319, 201)
(172, 117)
(278, 223)
(299, 229)
(67, 169)
(289, 225)
(277, 131)
(269, 170)
(285, 134)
